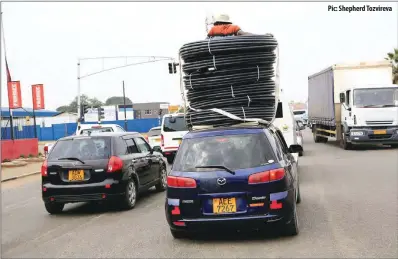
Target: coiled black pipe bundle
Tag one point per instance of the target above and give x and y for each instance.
(231, 74)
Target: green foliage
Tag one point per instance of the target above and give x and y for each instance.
(393, 57)
(114, 100)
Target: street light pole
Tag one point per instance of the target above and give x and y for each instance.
(124, 103)
(78, 91)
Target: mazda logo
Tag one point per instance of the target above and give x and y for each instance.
(221, 181)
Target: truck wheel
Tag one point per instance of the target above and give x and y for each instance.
(318, 139)
(343, 142)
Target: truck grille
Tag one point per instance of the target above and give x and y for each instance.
(379, 122)
(384, 136)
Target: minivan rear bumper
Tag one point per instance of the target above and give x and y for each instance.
(243, 221)
(106, 190)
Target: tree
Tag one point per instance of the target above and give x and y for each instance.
(84, 99)
(393, 57)
(114, 100)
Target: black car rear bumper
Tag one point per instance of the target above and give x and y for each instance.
(70, 193)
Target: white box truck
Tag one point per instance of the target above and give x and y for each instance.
(355, 103)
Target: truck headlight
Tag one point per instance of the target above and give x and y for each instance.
(357, 133)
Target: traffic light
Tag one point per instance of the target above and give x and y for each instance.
(101, 113)
(173, 68)
(160, 112)
(83, 110)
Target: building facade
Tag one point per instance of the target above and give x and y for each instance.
(150, 110)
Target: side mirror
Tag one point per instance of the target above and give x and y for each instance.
(342, 98)
(157, 149)
(295, 149)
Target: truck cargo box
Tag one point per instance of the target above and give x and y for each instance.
(325, 86)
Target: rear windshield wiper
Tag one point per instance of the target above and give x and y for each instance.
(217, 166)
(71, 158)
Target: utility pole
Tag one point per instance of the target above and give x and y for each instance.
(124, 103)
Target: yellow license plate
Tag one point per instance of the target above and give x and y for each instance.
(157, 139)
(224, 205)
(179, 141)
(379, 132)
(76, 175)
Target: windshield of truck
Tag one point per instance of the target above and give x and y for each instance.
(175, 123)
(376, 97)
(231, 151)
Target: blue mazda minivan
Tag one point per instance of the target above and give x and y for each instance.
(233, 177)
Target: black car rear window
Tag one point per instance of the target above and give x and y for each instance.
(83, 148)
(154, 132)
(231, 151)
(175, 123)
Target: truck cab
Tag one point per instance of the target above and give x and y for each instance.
(370, 114)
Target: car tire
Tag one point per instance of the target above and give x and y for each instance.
(129, 198)
(298, 199)
(170, 159)
(292, 228)
(162, 185)
(394, 145)
(54, 208)
(178, 234)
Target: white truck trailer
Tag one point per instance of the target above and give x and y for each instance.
(355, 103)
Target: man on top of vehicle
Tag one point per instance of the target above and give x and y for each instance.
(223, 27)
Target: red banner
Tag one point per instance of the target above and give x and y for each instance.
(38, 97)
(14, 94)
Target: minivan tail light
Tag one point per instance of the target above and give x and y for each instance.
(162, 140)
(180, 182)
(267, 176)
(44, 168)
(114, 164)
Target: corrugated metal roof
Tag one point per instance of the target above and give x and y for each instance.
(26, 112)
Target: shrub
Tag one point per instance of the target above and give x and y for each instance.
(6, 160)
(22, 156)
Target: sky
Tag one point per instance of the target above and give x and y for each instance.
(45, 40)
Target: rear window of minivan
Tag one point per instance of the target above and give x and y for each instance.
(231, 151)
(175, 123)
(83, 148)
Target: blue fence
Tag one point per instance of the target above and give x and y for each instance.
(57, 131)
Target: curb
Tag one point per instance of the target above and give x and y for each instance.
(20, 176)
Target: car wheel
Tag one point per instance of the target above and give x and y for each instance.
(170, 159)
(298, 198)
(130, 196)
(162, 185)
(178, 234)
(54, 208)
(292, 228)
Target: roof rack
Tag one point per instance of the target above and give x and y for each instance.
(252, 122)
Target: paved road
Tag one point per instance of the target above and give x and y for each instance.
(349, 209)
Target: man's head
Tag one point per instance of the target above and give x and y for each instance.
(222, 19)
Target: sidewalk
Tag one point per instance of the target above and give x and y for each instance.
(12, 173)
